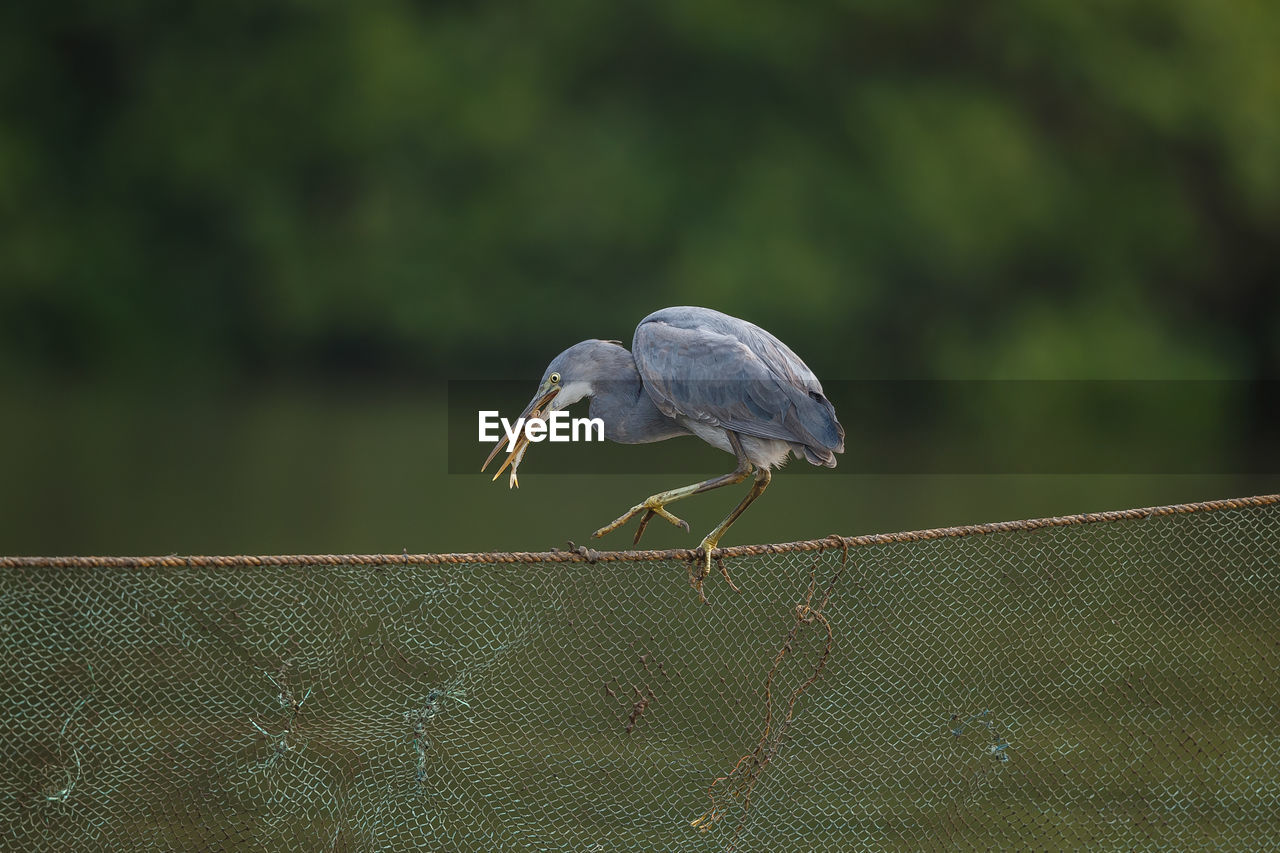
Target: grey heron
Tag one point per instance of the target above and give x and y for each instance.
(693, 371)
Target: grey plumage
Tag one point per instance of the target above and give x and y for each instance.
(724, 372)
(695, 371)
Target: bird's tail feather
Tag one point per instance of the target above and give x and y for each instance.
(816, 418)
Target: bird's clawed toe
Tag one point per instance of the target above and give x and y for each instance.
(701, 568)
(650, 508)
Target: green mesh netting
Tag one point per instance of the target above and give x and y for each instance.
(1108, 685)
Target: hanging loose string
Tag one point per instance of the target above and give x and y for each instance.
(741, 781)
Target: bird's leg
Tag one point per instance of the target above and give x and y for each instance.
(763, 477)
(656, 504)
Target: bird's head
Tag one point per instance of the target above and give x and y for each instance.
(571, 376)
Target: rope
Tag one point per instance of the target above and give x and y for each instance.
(586, 555)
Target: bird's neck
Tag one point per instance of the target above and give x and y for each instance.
(629, 415)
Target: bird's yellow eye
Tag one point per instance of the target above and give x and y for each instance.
(554, 378)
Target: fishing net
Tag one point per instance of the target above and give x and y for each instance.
(1074, 683)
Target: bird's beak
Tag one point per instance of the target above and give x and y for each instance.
(534, 410)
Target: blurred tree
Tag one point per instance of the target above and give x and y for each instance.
(1051, 187)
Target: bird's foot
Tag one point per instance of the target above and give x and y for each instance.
(651, 507)
(702, 568)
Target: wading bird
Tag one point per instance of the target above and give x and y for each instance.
(693, 371)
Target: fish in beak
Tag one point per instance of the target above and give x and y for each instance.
(536, 410)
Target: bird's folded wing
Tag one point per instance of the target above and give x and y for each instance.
(746, 381)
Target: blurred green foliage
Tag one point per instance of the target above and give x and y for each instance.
(203, 197)
(912, 188)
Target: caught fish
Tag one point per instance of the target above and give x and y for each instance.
(514, 482)
(515, 456)
(536, 411)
